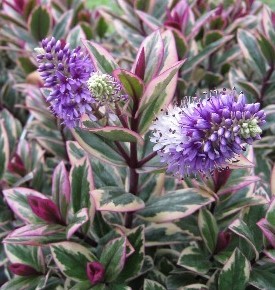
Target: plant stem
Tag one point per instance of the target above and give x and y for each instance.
(147, 158)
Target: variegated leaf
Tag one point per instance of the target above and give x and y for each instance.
(61, 189)
(152, 285)
(175, 205)
(4, 148)
(98, 147)
(134, 262)
(18, 202)
(102, 60)
(36, 235)
(81, 178)
(78, 220)
(208, 229)
(113, 258)
(75, 35)
(116, 199)
(240, 228)
(20, 283)
(32, 256)
(235, 273)
(153, 49)
(71, 259)
(158, 94)
(195, 259)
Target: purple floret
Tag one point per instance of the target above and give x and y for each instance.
(66, 72)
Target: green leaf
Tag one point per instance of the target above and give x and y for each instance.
(267, 49)
(40, 22)
(175, 205)
(194, 259)
(208, 229)
(113, 258)
(262, 278)
(102, 60)
(81, 178)
(251, 51)
(61, 28)
(71, 259)
(30, 255)
(158, 94)
(98, 147)
(181, 43)
(235, 273)
(4, 148)
(152, 285)
(195, 286)
(20, 283)
(134, 262)
(75, 35)
(132, 84)
(116, 199)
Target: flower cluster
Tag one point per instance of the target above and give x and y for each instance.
(105, 89)
(66, 71)
(203, 136)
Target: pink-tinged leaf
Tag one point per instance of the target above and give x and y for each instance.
(242, 162)
(158, 94)
(45, 209)
(4, 148)
(32, 256)
(238, 183)
(102, 60)
(36, 235)
(272, 181)
(270, 215)
(170, 55)
(63, 24)
(152, 22)
(115, 133)
(154, 49)
(267, 230)
(61, 189)
(113, 258)
(115, 199)
(23, 270)
(270, 254)
(17, 199)
(132, 84)
(79, 219)
(200, 23)
(140, 64)
(75, 151)
(181, 43)
(95, 272)
(72, 259)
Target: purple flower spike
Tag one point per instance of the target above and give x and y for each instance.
(203, 136)
(95, 272)
(22, 269)
(45, 209)
(66, 71)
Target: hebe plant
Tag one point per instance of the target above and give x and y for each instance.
(118, 182)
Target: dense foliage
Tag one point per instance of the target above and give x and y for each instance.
(142, 159)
